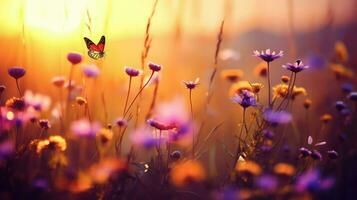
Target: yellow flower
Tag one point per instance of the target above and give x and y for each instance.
(232, 75)
(41, 145)
(341, 71)
(284, 169)
(250, 167)
(238, 87)
(261, 69)
(186, 171)
(280, 91)
(341, 51)
(58, 141)
(256, 87)
(297, 91)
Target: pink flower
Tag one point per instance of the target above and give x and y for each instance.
(172, 112)
(74, 58)
(143, 137)
(38, 101)
(85, 128)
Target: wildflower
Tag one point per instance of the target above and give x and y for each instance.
(298, 91)
(85, 128)
(267, 182)
(44, 124)
(160, 126)
(304, 152)
(280, 91)
(2, 89)
(268, 134)
(81, 101)
(187, 171)
(191, 84)
(284, 169)
(249, 167)
(38, 101)
(232, 75)
(316, 155)
(154, 67)
(143, 137)
(105, 135)
(16, 103)
(340, 105)
(58, 81)
(352, 96)
(307, 103)
(346, 88)
(238, 87)
(298, 66)
(74, 58)
(120, 122)
(312, 181)
(175, 155)
(245, 99)
(341, 51)
(172, 113)
(132, 72)
(326, 118)
(16, 72)
(285, 79)
(91, 70)
(268, 56)
(332, 154)
(54, 142)
(340, 71)
(102, 171)
(277, 117)
(256, 87)
(261, 69)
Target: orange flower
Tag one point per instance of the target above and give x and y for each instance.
(261, 69)
(256, 87)
(186, 171)
(284, 169)
(250, 167)
(280, 91)
(232, 75)
(285, 79)
(341, 71)
(307, 103)
(326, 118)
(341, 51)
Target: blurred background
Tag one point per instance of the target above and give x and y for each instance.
(38, 34)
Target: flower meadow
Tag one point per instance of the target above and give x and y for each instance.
(222, 136)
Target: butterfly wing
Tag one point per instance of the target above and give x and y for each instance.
(91, 45)
(101, 44)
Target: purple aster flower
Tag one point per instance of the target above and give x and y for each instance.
(346, 87)
(74, 58)
(268, 56)
(277, 117)
(339, 105)
(85, 128)
(192, 84)
(332, 154)
(316, 155)
(352, 96)
(132, 72)
(245, 99)
(91, 70)
(298, 66)
(304, 152)
(154, 67)
(16, 72)
(121, 122)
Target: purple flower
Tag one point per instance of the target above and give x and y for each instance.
(121, 122)
(74, 58)
(143, 137)
(268, 134)
(304, 152)
(154, 67)
(298, 66)
(192, 84)
(277, 117)
(268, 56)
(339, 105)
(352, 96)
(85, 128)
(312, 181)
(91, 70)
(316, 155)
(16, 72)
(44, 124)
(245, 99)
(132, 72)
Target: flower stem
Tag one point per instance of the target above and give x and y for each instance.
(127, 95)
(18, 87)
(137, 95)
(269, 95)
(193, 131)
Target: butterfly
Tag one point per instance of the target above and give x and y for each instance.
(95, 51)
